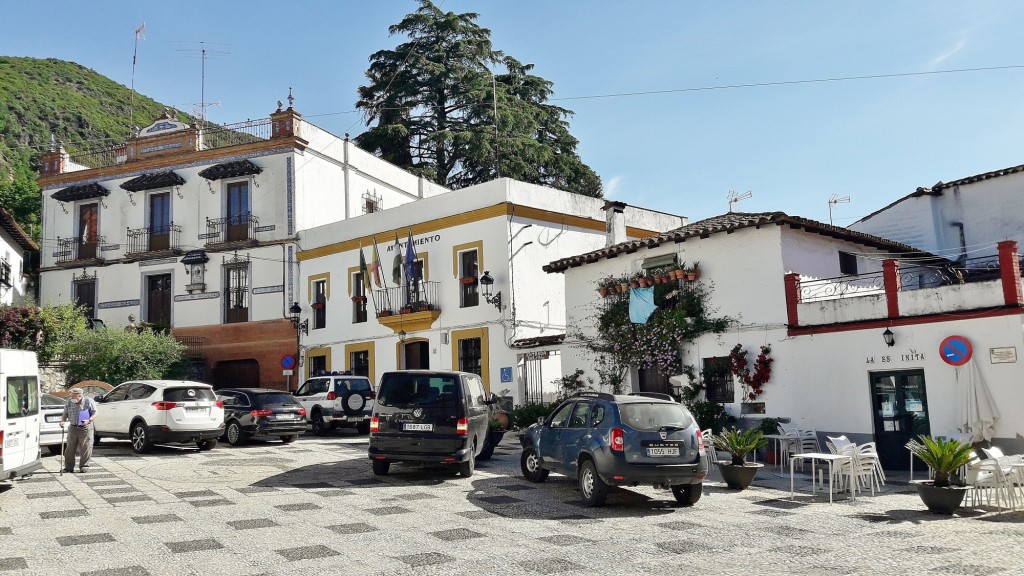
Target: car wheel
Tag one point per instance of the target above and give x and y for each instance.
(687, 494)
(141, 443)
(380, 467)
(487, 452)
(235, 435)
(466, 468)
(54, 449)
(592, 488)
(529, 463)
(205, 445)
(289, 439)
(319, 426)
(363, 427)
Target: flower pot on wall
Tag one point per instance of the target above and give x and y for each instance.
(603, 292)
(405, 311)
(468, 280)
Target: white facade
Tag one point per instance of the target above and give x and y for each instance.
(514, 227)
(15, 246)
(960, 219)
(827, 348)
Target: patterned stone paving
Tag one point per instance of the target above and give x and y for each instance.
(314, 507)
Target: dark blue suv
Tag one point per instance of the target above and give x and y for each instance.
(609, 440)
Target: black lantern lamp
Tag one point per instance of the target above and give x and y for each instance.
(487, 282)
(294, 310)
(890, 338)
(401, 335)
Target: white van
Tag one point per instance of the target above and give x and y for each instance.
(19, 413)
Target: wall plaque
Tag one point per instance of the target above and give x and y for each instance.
(1007, 355)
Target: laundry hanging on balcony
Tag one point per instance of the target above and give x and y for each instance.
(641, 304)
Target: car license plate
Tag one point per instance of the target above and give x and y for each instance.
(665, 451)
(192, 410)
(53, 418)
(285, 417)
(418, 427)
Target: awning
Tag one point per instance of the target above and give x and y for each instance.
(153, 181)
(537, 341)
(80, 192)
(230, 170)
(195, 257)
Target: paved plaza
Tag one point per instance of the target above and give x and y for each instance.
(313, 507)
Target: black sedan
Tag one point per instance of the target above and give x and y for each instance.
(252, 412)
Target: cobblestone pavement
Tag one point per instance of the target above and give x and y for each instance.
(313, 507)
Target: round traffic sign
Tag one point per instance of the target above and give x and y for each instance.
(288, 361)
(956, 350)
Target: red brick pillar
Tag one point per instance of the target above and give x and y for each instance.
(792, 281)
(1009, 270)
(891, 277)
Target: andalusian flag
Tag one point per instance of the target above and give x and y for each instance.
(375, 265)
(363, 271)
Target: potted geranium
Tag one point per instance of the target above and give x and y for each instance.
(944, 457)
(468, 280)
(693, 272)
(738, 473)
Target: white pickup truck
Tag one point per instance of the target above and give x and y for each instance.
(19, 413)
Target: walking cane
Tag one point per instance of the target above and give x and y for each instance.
(62, 428)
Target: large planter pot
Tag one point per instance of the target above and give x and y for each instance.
(738, 477)
(943, 500)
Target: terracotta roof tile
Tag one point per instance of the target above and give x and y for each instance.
(80, 192)
(230, 170)
(7, 223)
(153, 181)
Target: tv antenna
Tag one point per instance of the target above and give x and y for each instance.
(203, 53)
(832, 201)
(734, 198)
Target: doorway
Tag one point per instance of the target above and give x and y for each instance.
(416, 355)
(900, 408)
(158, 300)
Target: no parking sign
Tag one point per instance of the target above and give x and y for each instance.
(956, 350)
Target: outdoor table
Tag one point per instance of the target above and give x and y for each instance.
(778, 441)
(814, 457)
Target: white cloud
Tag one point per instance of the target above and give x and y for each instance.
(946, 54)
(612, 185)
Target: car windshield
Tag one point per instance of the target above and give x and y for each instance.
(275, 399)
(654, 416)
(358, 385)
(405, 390)
(189, 394)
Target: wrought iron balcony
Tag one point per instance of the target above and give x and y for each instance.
(238, 228)
(77, 249)
(5, 273)
(154, 239)
(414, 297)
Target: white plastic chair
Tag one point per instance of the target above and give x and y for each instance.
(809, 441)
(987, 476)
(709, 446)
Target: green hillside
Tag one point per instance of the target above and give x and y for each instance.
(79, 106)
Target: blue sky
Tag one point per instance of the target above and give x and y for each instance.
(793, 145)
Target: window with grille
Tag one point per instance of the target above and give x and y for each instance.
(319, 304)
(468, 272)
(358, 298)
(317, 364)
(718, 384)
(847, 263)
(237, 293)
(470, 355)
(85, 297)
(5, 273)
(360, 363)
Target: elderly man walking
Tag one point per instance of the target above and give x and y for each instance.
(79, 413)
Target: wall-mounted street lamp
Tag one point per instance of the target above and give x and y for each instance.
(890, 338)
(295, 310)
(488, 285)
(401, 335)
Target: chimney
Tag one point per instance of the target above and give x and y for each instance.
(615, 222)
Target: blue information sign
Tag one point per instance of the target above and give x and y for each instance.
(506, 375)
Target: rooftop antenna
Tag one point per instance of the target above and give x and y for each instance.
(735, 197)
(203, 53)
(131, 106)
(832, 201)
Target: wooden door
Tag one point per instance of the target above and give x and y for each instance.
(160, 221)
(238, 212)
(158, 299)
(88, 231)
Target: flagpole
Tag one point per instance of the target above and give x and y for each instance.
(380, 273)
(365, 273)
(135, 53)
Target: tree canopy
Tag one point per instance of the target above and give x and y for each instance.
(431, 102)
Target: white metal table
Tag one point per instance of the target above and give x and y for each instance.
(814, 457)
(778, 441)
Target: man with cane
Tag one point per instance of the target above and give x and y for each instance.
(79, 412)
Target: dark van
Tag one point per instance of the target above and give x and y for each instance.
(428, 416)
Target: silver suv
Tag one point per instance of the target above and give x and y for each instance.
(336, 399)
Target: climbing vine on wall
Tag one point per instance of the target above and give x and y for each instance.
(753, 381)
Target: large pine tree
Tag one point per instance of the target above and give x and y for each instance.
(430, 104)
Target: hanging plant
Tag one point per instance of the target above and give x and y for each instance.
(753, 382)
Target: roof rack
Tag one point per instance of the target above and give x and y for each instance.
(591, 394)
(658, 395)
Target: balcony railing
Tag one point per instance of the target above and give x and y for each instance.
(5, 273)
(415, 297)
(75, 249)
(238, 228)
(154, 239)
(841, 287)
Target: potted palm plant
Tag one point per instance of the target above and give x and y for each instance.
(738, 473)
(945, 458)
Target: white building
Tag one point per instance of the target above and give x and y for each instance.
(16, 250)
(821, 297)
(502, 231)
(198, 229)
(961, 220)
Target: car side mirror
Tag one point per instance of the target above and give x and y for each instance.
(492, 399)
(101, 398)
(540, 420)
